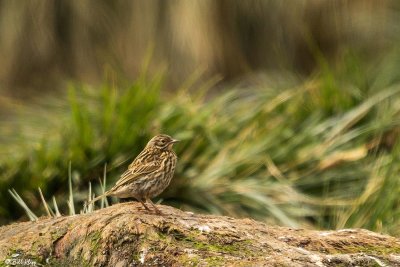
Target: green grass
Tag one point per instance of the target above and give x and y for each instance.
(320, 153)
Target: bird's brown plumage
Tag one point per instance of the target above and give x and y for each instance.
(149, 174)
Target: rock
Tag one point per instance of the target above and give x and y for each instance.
(126, 235)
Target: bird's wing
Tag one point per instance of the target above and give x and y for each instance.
(136, 170)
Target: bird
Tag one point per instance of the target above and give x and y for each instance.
(149, 174)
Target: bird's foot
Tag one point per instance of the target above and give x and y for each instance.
(145, 206)
(157, 211)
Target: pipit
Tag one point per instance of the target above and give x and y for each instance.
(149, 174)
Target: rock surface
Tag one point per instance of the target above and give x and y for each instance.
(126, 235)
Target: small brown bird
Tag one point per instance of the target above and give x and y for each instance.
(149, 174)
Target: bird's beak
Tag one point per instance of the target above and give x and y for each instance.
(174, 141)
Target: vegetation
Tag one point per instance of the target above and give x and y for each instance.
(322, 152)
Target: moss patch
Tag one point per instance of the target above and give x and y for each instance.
(94, 238)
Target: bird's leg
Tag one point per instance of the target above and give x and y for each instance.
(144, 205)
(154, 206)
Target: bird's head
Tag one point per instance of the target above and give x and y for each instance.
(162, 141)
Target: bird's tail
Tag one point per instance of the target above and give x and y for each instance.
(97, 198)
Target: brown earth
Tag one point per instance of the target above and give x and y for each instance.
(126, 235)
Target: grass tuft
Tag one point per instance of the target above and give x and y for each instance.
(318, 153)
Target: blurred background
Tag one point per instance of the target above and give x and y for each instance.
(288, 111)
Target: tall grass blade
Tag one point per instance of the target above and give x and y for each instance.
(58, 214)
(22, 203)
(49, 212)
(71, 194)
(104, 201)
